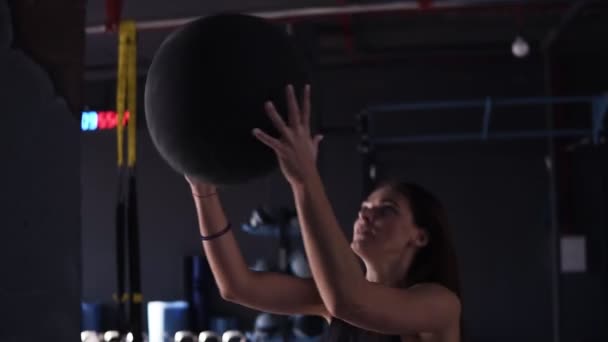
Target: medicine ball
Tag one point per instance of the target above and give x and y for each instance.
(206, 89)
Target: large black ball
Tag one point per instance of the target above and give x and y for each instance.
(205, 92)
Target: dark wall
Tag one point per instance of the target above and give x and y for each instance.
(584, 202)
(39, 204)
(585, 295)
(496, 193)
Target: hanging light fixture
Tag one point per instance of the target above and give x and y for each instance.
(520, 47)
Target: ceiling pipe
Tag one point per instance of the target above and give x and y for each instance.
(347, 29)
(113, 14)
(574, 10)
(291, 15)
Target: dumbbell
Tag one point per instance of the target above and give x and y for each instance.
(233, 336)
(209, 336)
(111, 336)
(263, 265)
(184, 336)
(90, 336)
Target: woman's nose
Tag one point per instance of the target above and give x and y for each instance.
(366, 214)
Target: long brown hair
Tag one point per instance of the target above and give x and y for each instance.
(437, 261)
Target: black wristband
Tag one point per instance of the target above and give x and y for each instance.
(218, 234)
(204, 196)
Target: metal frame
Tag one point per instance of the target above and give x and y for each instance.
(598, 104)
(370, 142)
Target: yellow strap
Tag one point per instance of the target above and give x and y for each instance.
(126, 91)
(132, 94)
(121, 93)
(136, 297)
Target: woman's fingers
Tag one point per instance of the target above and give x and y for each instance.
(269, 141)
(315, 143)
(292, 106)
(305, 117)
(276, 119)
(297, 119)
(317, 139)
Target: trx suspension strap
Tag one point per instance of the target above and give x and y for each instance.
(129, 298)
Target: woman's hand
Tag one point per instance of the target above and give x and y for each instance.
(200, 189)
(296, 150)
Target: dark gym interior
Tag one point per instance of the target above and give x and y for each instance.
(516, 201)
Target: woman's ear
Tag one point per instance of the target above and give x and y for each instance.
(422, 238)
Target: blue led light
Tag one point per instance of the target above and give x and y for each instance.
(88, 122)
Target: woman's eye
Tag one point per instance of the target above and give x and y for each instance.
(380, 210)
(388, 210)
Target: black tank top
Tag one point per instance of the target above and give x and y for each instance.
(340, 331)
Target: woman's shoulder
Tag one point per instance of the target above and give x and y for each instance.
(447, 296)
(437, 290)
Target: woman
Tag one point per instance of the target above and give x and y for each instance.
(409, 291)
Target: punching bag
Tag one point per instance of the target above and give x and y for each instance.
(205, 92)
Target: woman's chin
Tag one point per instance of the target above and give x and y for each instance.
(361, 246)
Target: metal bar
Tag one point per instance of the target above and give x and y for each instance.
(424, 106)
(431, 138)
(567, 18)
(486, 119)
(553, 198)
(478, 103)
(322, 11)
(543, 100)
(542, 134)
(599, 109)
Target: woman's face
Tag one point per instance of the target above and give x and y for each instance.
(385, 226)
